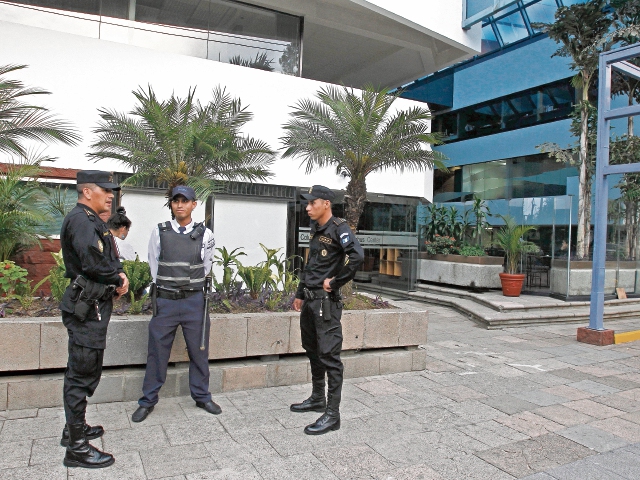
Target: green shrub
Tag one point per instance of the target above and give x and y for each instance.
(11, 278)
(472, 251)
(441, 245)
(139, 275)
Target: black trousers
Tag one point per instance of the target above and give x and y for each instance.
(322, 341)
(81, 378)
(186, 312)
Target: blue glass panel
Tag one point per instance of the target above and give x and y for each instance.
(566, 3)
(542, 12)
(476, 6)
(512, 28)
(489, 40)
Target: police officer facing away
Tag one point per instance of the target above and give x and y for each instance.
(334, 258)
(180, 256)
(96, 275)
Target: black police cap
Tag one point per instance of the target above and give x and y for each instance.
(318, 191)
(100, 178)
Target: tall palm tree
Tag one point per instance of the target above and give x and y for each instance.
(22, 122)
(581, 28)
(357, 134)
(181, 141)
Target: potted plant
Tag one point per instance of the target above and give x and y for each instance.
(509, 238)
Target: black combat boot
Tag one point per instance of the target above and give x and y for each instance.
(329, 421)
(81, 454)
(91, 433)
(315, 403)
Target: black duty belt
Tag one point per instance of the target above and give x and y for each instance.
(320, 294)
(175, 294)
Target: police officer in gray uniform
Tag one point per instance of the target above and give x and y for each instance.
(96, 274)
(180, 256)
(334, 257)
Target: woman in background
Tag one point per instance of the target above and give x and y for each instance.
(119, 225)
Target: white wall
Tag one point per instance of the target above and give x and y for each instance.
(442, 17)
(238, 222)
(85, 74)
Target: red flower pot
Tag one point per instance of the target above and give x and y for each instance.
(511, 284)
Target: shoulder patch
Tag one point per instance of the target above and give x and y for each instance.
(345, 238)
(338, 220)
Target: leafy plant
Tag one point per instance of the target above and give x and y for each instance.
(480, 211)
(180, 141)
(441, 245)
(139, 275)
(359, 133)
(226, 260)
(472, 251)
(255, 278)
(260, 62)
(26, 295)
(57, 280)
(510, 239)
(11, 276)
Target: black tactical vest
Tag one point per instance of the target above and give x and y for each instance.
(180, 264)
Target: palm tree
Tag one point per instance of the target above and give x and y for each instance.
(581, 28)
(181, 141)
(357, 134)
(21, 126)
(21, 221)
(22, 122)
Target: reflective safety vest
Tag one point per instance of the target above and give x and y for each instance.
(180, 264)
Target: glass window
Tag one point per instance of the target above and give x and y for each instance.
(486, 180)
(115, 8)
(489, 40)
(512, 28)
(567, 3)
(476, 6)
(542, 12)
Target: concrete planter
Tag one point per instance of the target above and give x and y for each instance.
(246, 351)
(580, 277)
(474, 272)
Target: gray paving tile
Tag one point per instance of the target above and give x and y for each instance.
(540, 398)
(593, 409)
(15, 454)
(563, 415)
(30, 428)
(250, 423)
(508, 404)
(530, 424)
(48, 450)
(230, 453)
(492, 433)
(295, 467)
(473, 411)
(618, 402)
(594, 387)
(53, 471)
(583, 470)
(128, 440)
(534, 455)
(183, 459)
(239, 472)
(620, 427)
(572, 374)
(539, 476)
(468, 467)
(414, 472)
(354, 461)
(410, 449)
(194, 430)
(623, 462)
(593, 438)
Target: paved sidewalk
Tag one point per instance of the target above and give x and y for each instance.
(526, 402)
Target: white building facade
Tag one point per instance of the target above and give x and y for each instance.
(92, 54)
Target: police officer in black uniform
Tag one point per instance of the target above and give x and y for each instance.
(334, 258)
(96, 275)
(180, 255)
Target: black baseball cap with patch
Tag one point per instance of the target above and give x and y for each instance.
(100, 178)
(318, 191)
(187, 192)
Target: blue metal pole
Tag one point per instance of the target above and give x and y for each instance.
(601, 184)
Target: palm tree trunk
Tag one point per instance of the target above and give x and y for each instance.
(582, 241)
(354, 201)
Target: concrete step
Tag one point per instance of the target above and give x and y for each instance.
(487, 314)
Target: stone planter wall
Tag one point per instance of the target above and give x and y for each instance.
(457, 270)
(581, 272)
(246, 351)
